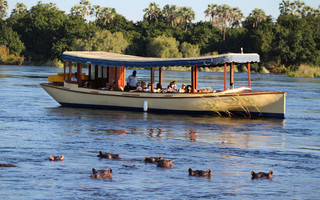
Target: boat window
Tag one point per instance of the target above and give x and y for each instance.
(105, 69)
(92, 73)
(99, 71)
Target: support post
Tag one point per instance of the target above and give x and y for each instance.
(249, 76)
(89, 72)
(231, 76)
(152, 79)
(79, 74)
(64, 70)
(196, 69)
(192, 79)
(160, 76)
(70, 70)
(225, 76)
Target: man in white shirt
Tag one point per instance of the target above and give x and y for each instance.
(132, 80)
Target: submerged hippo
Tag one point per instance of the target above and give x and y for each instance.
(56, 158)
(7, 165)
(165, 163)
(199, 172)
(101, 173)
(108, 155)
(261, 175)
(152, 159)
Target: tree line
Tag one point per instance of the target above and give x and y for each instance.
(44, 32)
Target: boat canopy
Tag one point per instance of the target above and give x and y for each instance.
(119, 60)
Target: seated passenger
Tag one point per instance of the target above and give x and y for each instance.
(138, 88)
(74, 78)
(148, 89)
(189, 89)
(106, 87)
(172, 87)
(183, 88)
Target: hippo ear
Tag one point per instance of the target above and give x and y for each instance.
(145, 157)
(62, 157)
(110, 170)
(100, 152)
(252, 173)
(209, 171)
(271, 172)
(94, 170)
(190, 170)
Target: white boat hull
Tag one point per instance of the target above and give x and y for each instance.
(249, 103)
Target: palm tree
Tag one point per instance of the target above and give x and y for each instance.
(187, 15)
(307, 10)
(3, 8)
(19, 8)
(152, 13)
(107, 14)
(96, 10)
(236, 17)
(86, 5)
(258, 15)
(286, 7)
(212, 12)
(170, 13)
(225, 17)
(77, 10)
(299, 6)
(52, 6)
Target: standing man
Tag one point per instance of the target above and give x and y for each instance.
(132, 80)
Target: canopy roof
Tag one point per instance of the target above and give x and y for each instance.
(118, 60)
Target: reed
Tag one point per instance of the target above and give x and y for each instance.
(306, 71)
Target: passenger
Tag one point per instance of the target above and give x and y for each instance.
(138, 88)
(148, 89)
(172, 87)
(74, 78)
(115, 87)
(132, 81)
(189, 89)
(106, 87)
(183, 88)
(143, 85)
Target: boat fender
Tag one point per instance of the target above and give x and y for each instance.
(145, 106)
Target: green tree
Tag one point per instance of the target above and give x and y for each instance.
(187, 15)
(163, 47)
(107, 14)
(104, 41)
(19, 8)
(295, 43)
(11, 39)
(152, 13)
(170, 13)
(3, 8)
(257, 15)
(189, 50)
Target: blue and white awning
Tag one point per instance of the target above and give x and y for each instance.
(119, 60)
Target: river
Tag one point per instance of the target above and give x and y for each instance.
(34, 126)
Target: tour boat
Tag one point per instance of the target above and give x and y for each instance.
(87, 91)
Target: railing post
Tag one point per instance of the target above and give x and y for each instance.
(249, 75)
(225, 76)
(231, 76)
(152, 79)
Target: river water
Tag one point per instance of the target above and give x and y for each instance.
(34, 126)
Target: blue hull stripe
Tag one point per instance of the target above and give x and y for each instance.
(236, 113)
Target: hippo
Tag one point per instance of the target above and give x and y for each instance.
(152, 159)
(199, 172)
(56, 158)
(108, 155)
(261, 175)
(101, 173)
(165, 163)
(7, 165)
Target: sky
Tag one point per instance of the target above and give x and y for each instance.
(133, 9)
